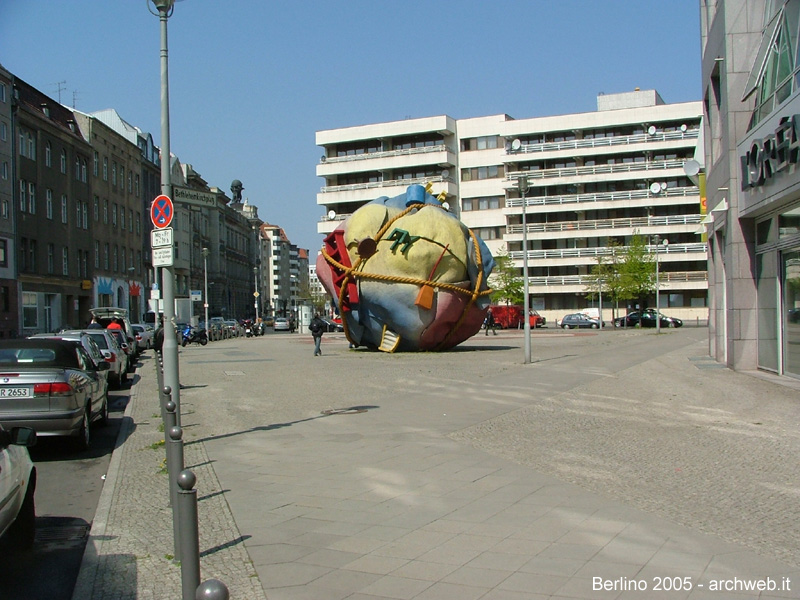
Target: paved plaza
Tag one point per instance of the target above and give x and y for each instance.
(616, 464)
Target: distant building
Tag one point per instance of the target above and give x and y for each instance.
(596, 179)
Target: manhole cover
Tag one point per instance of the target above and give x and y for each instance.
(233, 372)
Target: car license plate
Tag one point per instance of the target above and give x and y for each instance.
(15, 392)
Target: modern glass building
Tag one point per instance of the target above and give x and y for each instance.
(751, 77)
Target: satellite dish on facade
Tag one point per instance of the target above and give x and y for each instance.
(445, 174)
(652, 130)
(446, 206)
(516, 145)
(655, 188)
(691, 168)
(684, 128)
(331, 215)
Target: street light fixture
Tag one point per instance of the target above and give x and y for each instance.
(522, 184)
(205, 287)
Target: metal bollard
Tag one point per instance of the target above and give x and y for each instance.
(213, 589)
(165, 397)
(189, 534)
(174, 469)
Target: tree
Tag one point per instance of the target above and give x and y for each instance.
(505, 280)
(637, 271)
(606, 276)
(629, 274)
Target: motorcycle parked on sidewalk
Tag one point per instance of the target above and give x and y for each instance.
(194, 336)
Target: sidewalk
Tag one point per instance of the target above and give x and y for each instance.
(463, 475)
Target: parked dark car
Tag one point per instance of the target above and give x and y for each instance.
(579, 321)
(647, 318)
(52, 386)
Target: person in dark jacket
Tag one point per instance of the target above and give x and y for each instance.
(490, 324)
(95, 324)
(317, 327)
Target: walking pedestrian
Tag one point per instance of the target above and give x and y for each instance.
(317, 326)
(490, 322)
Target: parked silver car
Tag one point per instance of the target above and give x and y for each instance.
(53, 386)
(17, 487)
(116, 357)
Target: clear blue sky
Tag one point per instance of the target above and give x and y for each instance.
(251, 81)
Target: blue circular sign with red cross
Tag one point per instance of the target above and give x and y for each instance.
(161, 211)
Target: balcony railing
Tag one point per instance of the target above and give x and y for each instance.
(632, 167)
(587, 280)
(386, 154)
(598, 224)
(595, 252)
(602, 197)
(620, 140)
(388, 183)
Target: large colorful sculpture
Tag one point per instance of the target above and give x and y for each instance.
(406, 274)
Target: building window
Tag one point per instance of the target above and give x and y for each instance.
(114, 173)
(23, 195)
(122, 218)
(5, 170)
(85, 215)
(78, 214)
(49, 204)
(105, 212)
(64, 209)
(30, 310)
(130, 220)
(116, 258)
(486, 203)
(51, 259)
(4, 208)
(96, 254)
(114, 212)
(3, 131)
(96, 164)
(31, 147)
(3, 97)
(63, 161)
(136, 185)
(96, 207)
(64, 261)
(48, 154)
(23, 253)
(32, 256)
(83, 170)
(32, 198)
(106, 252)
(3, 253)
(5, 299)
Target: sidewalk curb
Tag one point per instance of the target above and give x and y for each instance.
(94, 544)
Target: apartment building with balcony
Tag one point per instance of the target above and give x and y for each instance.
(596, 180)
(362, 163)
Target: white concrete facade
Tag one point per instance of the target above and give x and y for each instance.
(593, 178)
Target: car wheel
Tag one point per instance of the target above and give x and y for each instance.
(671, 324)
(203, 341)
(104, 411)
(593, 325)
(23, 530)
(84, 439)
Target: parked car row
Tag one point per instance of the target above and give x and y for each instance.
(646, 318)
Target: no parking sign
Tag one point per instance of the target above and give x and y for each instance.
(162, 211)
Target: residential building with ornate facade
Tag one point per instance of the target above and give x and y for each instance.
(9, 305)
(54, 233)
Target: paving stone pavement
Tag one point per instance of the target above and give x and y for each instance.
(615, 460)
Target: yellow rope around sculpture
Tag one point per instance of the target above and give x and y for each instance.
(352, 274)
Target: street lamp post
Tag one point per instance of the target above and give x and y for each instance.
(255, 294)
(205, 288)
(522, 184)
(658, 241)
(169, 351)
